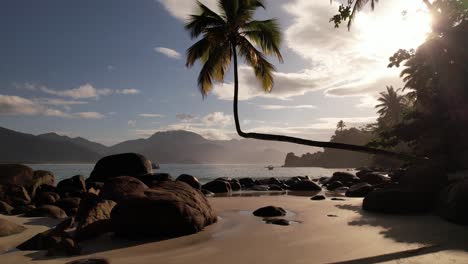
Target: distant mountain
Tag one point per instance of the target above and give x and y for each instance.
(162, 147)
(21, 147)
(188, 147)
(93, 146)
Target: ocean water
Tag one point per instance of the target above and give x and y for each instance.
(204, 172)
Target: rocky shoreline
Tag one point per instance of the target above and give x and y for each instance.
(124, 197)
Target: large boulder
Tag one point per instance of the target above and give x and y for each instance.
(93, 230)
(169, 210)
(218, 186)
(15, 195)
(69, 205)
(270, 211)
(399, 201)
(46, 198)
(126, 164)
(373, 178)
(190, 180)
(428, 176)
(154, 178)
(346, 178)
(75, 184)
(305, 185)
(121, 187)
(100, 210)
(5, 208)
(8, 228)
(41, 177)
(47, 211)
(16, 174)
(452, 203)
(359, 190)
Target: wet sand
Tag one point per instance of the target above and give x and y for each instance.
(328, 232)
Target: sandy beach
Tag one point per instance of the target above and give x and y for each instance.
(328, 232)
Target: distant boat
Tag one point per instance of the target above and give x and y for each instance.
(270, 167)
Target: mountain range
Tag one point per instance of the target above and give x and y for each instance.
(176, 146)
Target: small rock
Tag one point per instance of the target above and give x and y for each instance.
(305, 185)
(270, 211)
(90, 261)
(190, 180)
(218, 186)
(318, 197)
(338, 199)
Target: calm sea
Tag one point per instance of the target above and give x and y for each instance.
(204, 172)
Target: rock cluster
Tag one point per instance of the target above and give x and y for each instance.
(122, 196)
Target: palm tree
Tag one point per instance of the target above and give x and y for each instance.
(340, 125)
(234, 31)
(391, 106)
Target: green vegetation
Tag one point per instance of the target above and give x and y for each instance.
(431, 118)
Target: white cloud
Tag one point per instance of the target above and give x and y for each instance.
(15, 105)
(280, 107)
(151, 115)
(88, 115)
(82, 92)
(128, 91)
(286, 85)
(87, 91)
(217, 119)
(110, 68)
(170, 53)
(59, 102)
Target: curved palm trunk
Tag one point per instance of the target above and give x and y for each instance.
(295, 140)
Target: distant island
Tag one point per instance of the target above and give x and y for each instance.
(333, 158)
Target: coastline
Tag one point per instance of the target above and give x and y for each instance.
(328, 232)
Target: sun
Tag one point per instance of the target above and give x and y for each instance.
(404, 25)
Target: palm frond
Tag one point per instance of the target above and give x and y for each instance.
(198, 24)
(197, 51)
(262, 68)
(214, 67)
(229, 8)
(265, 34)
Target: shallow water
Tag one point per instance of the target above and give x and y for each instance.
(204, 172)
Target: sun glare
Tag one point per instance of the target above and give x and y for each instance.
(402, 26)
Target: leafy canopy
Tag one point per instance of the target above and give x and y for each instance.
(232, 31)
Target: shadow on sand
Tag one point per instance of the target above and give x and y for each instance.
(432, 233)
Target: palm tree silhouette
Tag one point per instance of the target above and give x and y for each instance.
(234, 31)
(341, 124)
(391, 106)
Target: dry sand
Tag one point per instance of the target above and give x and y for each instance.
(351, 236)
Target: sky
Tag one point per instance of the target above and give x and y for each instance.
(114, 70)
